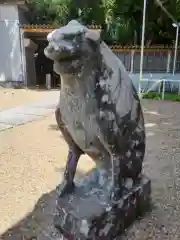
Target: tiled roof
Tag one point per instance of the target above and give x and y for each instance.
(48, 26)
(7, 1)
(122, 48)
(44, 28)
(137, 47)
(12, 1)
(20, 3)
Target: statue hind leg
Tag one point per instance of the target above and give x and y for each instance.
(126, 156)
(74, 154)
(137, 149)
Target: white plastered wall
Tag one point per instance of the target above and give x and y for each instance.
(10, 44)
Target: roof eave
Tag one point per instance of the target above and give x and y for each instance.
(20, 3)
(48, 28)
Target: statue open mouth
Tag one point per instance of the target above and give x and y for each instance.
(69, 58)
(63, 55)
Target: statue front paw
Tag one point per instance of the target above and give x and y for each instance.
(65, 188)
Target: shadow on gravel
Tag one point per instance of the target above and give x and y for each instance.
(38, 225)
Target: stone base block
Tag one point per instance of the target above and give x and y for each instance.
(12, 84)
(88, 213)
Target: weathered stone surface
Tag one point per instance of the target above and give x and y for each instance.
(48, 103)
(27, 113)
(99, 114)
(4, 126)
(11, 84)
(28, 110)
(9, 118)
(88, 213)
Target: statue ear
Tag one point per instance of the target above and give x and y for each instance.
(94, 37)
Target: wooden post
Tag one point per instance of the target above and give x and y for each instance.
(168, 61)
(132, 61)
(48, 81)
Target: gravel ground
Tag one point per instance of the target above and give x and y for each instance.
(14, 97)
(162, 165)
(33, 156)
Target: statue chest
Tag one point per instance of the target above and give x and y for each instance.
(79, 115)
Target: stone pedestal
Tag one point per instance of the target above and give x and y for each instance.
(88, 213)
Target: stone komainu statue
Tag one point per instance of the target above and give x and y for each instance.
(99, 112)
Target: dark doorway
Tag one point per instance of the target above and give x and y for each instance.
(44, 66)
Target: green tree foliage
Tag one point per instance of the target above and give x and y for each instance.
(49, 11)
(121, 19)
